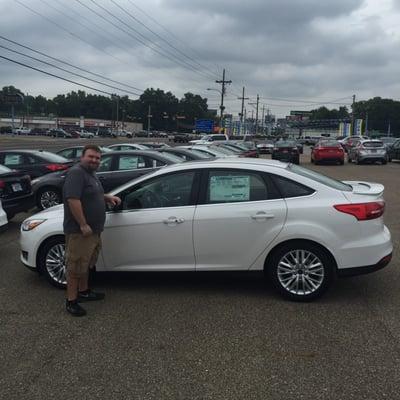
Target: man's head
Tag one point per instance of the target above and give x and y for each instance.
(91, 156)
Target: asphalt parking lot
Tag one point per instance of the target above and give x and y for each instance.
(202, 336)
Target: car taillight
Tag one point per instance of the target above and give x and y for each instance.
(363, 211)
(2, 186)
(56, 167)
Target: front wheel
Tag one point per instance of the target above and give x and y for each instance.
(301, 271)
(51, 261)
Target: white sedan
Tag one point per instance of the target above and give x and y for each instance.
(300, 227)
(3, 218)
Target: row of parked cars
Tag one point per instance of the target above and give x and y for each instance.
(213, 208)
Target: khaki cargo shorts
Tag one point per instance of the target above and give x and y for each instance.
(81, 253)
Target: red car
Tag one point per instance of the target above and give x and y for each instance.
(327, 150)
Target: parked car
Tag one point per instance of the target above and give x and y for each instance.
(327, 150)
(3, 218)
(301, 228)
(181, 138)
(39, 131)
(368, 151)
(15, 191)
(265, 147)
(300, 146)
(104, 132)
(127, 146)
(185, 154)
(209, 138)
(74, 153)
(60, 133)
(155, 145)
(34, 163)
(394, 151)
(116, 168)
(86, 134)
(286, 150)
(351, 141)
(23, 131)
(212, 151)
(239, 150)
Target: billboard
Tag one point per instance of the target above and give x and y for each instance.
(204, 125)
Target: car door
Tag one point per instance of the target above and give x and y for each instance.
(153, 228)
(239, 214)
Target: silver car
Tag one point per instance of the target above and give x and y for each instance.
(368, 151)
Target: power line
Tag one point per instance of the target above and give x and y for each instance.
(69, 72)
(170, 32)
(157, 35)
(69, 32)
(67, 63)
(172, 58)
(55, 76)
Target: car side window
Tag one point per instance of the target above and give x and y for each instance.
(127, 162)
(232, 186)
(67, 153)
(13, 159)
(173, 190)
(78, 153)
(289, 188)
(105, 164)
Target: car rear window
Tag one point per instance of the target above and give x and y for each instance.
(372, 144)
(329, 143)
(317, 177)
(285, 144)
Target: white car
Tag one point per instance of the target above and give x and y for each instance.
(3, 218)
(206, 139)
(86, 134)
(210, 151)
(127, 146)
(300, 227)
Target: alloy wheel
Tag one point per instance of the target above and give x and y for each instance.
(55, 263)
(49, 198)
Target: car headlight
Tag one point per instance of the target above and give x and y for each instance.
(31, 224)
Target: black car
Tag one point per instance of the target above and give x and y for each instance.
(34, 163)
(75, 153)
(181, 138)
(184, 154)
(60, 133)
(286, 150)
(116, 168)
(394, 151)
(15, 191)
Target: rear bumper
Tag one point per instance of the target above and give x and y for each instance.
(365, 269)
(18, 204)
(372, 158)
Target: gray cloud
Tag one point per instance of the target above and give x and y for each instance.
(278, 48)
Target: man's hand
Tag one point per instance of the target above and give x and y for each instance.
(86, 230)
(112, 200)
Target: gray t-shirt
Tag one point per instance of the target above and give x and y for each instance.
(84, 185)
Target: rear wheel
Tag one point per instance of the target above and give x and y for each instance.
(51, 261)
(48, 197)
(384, 161)
(301, 271)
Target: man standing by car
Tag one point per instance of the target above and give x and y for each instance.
(84, 218)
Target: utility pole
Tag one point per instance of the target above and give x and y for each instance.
(148, 121)
(241, 114)
(262, 120)
(256, 104)
(366, 123)
(223, 83)
(352, 115)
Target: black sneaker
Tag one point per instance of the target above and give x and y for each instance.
(74, 308)
(89, 295)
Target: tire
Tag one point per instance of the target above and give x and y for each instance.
(312, 161)
(384, 161)
(51, 261)
(48, 197)
(288, 281)
(341, 162)
(357, 161)
(297, 161)
(349, 160)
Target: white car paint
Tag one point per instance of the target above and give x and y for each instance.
(229, 236)
(3, 218)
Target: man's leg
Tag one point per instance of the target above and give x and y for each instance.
(83, 285)
(72, 287)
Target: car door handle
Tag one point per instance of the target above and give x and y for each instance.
(262, 215)
(173, 221)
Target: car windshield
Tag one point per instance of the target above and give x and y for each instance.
(285, 143)
(4, 170)
(317, 177)
(372, 144)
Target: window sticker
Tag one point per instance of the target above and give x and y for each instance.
(229, 188)
(128, 162)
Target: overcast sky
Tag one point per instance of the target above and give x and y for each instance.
(303, 51)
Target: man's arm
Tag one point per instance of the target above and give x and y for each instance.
(75, 206)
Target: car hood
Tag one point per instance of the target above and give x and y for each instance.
(50, 213)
